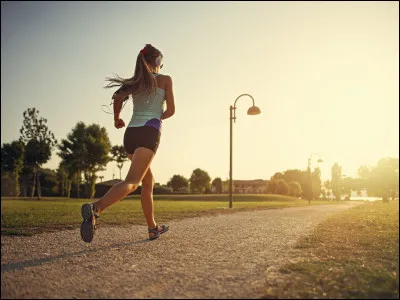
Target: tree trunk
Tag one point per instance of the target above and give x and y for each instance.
(120, 168)
(93, 185)
(69, 184)
(86, 184)
(16, 178)
(39, 190)
(34, 182)
(78, 184)
(87, 189)
(24, 186)
(62, 188)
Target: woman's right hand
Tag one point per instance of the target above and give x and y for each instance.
(119, 123)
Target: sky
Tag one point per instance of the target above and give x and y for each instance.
(324, 74)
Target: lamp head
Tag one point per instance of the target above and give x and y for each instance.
(254, 110)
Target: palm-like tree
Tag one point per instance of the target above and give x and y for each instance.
(120, 156)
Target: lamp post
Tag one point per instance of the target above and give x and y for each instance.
(309, 172)
(254, 110)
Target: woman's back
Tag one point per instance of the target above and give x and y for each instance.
(148, 107)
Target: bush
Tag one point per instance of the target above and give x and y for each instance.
(162, 190)
(282, 187)
(183, 190)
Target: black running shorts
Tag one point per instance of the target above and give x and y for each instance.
(143, 136)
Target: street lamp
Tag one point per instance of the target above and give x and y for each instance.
(254, 110)
(309, 172)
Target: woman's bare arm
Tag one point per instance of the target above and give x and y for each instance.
(169, 98)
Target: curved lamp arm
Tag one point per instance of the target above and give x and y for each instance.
(234, 105)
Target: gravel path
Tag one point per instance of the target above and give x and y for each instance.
(224, 256)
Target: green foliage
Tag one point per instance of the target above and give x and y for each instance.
(382, 180)
(217, 184)
(336, 180)
(37, 153)
(62, 177)
(271, 186)
(85, 151)
(119, 155)
(162, 189)
(277, 176)
(35, 128)
(39, 142)
(294, 189)
(12, 156)
(282, 187)
(316, 183)
(303, 178)
(49, 181)
(177, 182)
(12, 160)
(199, 180)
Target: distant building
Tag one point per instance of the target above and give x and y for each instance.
(103, 187)
(257, 186)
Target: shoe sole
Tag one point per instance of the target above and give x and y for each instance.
(87, 228)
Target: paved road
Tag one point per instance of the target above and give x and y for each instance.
(223, 256)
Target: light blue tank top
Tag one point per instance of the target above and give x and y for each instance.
(148, 109)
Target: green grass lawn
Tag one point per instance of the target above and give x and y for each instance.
(353, 254)
(28, 216)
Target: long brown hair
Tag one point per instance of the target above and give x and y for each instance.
(143, 81)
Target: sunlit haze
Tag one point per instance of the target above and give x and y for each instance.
(324, 74)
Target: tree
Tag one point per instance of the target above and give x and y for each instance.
(303, 178)
(38, 141)
(120, 156)
(12, 160)
(294, 189)
(177, 182)
(336, 180)
(347, 185)
(72, 176)
(49, 182)
(199, 180)
(277, 176)
(282, 187)
(73, 153)
(327, 188)
(86, 150)
(62, 179)
(383, 179)
(271, 186)
(316, 183)
(98, 145)
(217, 184)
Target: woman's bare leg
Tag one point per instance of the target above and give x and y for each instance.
(146, 198)
(141, 161)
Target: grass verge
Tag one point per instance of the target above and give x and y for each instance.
(30, 216)
(353, 254)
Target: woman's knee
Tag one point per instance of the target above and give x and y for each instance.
(131, 186)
